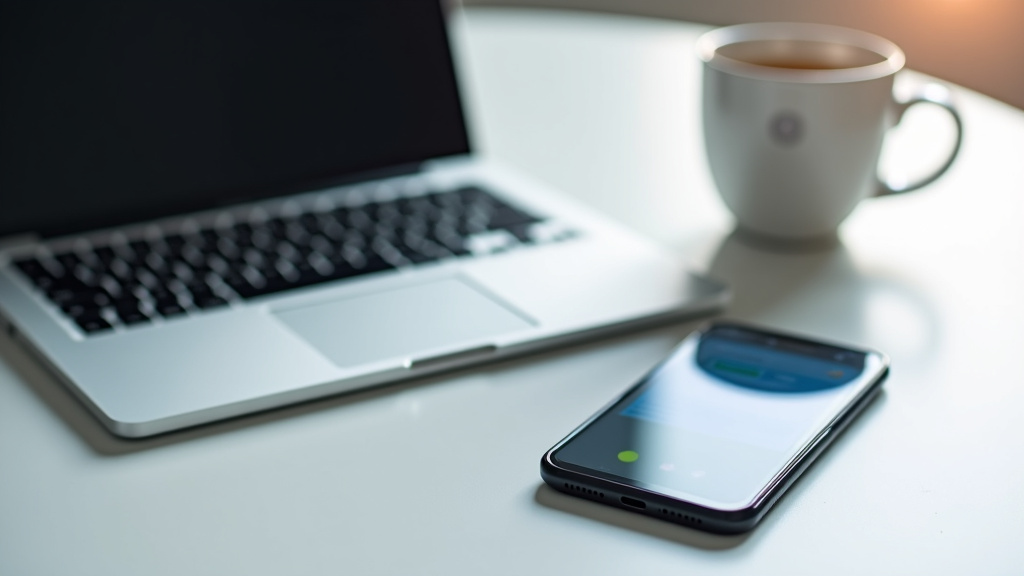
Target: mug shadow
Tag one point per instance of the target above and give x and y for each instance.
(802, 288)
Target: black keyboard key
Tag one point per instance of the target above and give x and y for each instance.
(161, 293)
(417, 250)
(416, 257)
(169, 306)
(276, 227)
(307, 277)
(125, 254)
(174, 242)
(199, 291)
(128, 311)
(32, 268)
(262, 239)
(156, 262)
(65, 294)
(341, 271)
(521, 232)
(226, 247)
(470, 194)
(125, 303)
(35, 271)
(473, 224)
(68, 261)
(359, 219)
(297, 233)
(87, 275)
(92, 324)
(78, 310)
(111, 286)
(130, 317)
(182, 271)
(450, 239)
(260, 258)
(206, 301)
(306, 270)
(310, 223)
(106, 255)
(373, 263)
(210, 237)
(121, 270)
(275, 283)
(505, 216)
(457, 249)
(140, 247)
(240, 232)
(243, 286)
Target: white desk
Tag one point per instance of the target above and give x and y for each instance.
(441, 476)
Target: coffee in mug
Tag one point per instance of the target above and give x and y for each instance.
(794, 120)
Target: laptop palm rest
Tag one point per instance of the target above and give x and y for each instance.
(404, 323)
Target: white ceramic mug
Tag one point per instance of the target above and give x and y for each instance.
(794, 119)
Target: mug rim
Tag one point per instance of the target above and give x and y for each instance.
(893, 58)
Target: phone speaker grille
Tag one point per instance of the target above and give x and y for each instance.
(583, 490)
(686, 518)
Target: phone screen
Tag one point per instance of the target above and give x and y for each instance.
(723, 416)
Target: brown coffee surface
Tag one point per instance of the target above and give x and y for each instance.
(795, 64)
(788, 54)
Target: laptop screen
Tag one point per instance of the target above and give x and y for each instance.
(119, 111)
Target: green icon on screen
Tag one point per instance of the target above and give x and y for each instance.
(628, 456)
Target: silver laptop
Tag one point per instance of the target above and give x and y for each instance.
(209, 209)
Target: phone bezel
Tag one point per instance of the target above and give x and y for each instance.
(604, 488)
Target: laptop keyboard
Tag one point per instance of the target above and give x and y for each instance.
(138, 280)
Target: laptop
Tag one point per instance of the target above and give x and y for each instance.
(214, 208)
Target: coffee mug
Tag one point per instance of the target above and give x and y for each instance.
(794, 120)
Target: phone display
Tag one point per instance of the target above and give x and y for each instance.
(713, 436)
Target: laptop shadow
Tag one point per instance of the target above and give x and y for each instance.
(62, 402)
(82, 423)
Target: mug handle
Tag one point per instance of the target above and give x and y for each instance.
(929, 94)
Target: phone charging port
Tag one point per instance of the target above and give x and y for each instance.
(633, 502)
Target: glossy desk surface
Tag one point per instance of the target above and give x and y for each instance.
(441, 476)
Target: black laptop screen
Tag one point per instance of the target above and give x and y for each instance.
(113, 112)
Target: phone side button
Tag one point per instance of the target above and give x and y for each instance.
(817, 442)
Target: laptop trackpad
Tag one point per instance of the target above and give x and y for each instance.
(406, 323)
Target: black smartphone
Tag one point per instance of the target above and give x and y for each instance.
(715, 434)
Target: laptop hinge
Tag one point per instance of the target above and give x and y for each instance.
(19, 241)
(448, 161)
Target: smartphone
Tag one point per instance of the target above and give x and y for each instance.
(715, 434)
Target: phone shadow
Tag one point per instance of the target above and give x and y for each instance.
(548, 497)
